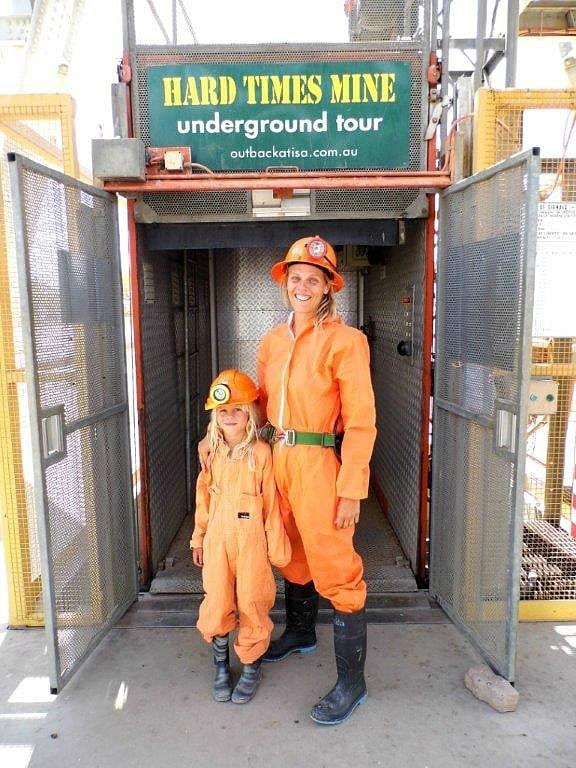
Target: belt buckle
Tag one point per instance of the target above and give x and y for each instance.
(289, 437)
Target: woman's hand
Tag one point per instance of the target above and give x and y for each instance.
(347, 513)
(198, 556)
(204, 453)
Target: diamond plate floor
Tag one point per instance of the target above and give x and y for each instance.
(385, 567)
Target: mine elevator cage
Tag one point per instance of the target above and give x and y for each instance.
(199, 243)
(200, 249)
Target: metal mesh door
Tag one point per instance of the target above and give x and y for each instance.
(485, 288)
(72, 318)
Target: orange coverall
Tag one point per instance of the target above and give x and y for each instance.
(239, 527)
(319, 381)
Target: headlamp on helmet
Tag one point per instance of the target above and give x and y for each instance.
(231, 387)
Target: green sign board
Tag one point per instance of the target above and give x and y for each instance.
(311, 115)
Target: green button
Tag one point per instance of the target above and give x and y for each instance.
(549, 398)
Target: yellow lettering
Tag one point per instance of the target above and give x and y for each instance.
(227, 90)
(249, 82)
(363, 87)
(314, 90)
(340, 93)
(281, 89)
(172, 91)
(390, 92)
(191, 97)
(356, 98)
(371, 88)
(208, 90)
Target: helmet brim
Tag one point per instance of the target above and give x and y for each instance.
(210, 404)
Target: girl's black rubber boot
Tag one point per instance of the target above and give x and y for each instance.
(248, 684)
(222, 688)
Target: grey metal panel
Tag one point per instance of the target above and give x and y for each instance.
(397, 381)
(485, 290)
(72, 310)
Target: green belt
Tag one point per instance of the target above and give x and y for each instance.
(293, 437)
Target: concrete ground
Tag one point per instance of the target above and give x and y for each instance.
(143, 699)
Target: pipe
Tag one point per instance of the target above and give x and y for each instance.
(187, 385)
(445, 66)
(511, 43)
(480, 49)
(218, 182)
(426, 391)
(142, 501)
(213, 324)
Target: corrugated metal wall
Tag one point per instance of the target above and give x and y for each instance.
(398, 380)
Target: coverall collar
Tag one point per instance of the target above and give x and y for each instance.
(310, 324)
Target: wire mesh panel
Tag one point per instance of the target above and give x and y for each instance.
(74, 342)
(485, 287)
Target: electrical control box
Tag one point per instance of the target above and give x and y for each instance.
(542, 396)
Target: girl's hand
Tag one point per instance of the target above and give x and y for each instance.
(198, 557)
(204, 453)
(347, 513)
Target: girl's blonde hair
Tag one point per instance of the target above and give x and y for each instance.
(246, 446)
(327, 306)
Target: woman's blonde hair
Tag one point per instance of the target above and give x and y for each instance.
(246, 446)
(327, 306)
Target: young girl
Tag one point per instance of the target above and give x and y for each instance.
(238, 532)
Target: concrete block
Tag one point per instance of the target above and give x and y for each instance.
(491, 688)
(118, 159)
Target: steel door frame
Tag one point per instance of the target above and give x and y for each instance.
(16, 164)
(506, 666)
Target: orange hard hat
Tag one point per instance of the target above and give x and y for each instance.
(310, 250)
(231, 387)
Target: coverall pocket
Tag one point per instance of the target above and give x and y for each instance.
(249, 523)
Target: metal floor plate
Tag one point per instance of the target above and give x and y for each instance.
(385, 566)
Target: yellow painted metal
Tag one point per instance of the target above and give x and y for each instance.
(23, 591)
(548, 581)
(40, 126)
(18, 109)
(547, 610)
(498, 120)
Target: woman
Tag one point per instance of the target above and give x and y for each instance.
(314, 377)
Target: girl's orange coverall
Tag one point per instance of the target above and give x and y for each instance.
(239, 527)
(319, 381)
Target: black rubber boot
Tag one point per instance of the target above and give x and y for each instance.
(248, 684)
(299, 636)
(350, 689)
(222, 688)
